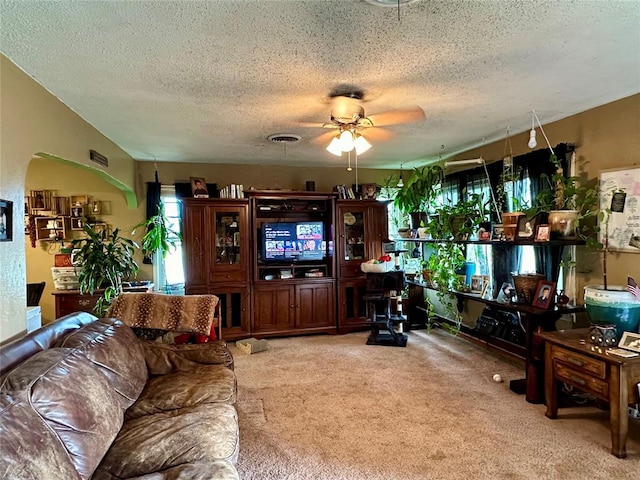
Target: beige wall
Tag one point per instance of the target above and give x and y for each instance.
(68, 180)
(32, 121)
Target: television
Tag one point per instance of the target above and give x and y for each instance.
(293, 241)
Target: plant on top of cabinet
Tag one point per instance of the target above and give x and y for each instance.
(104, 260)
(419, 192)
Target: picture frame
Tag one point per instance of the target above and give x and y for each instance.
(526, 228)
(369, 191)
(199, 187)
(543, 297)
(507, 293)
(479, 283)
(6, 220)
(630, 341)
(497, 232)
(543, 232)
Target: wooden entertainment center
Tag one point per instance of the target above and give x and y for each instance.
(238, 250)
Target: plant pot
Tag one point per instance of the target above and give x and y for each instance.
(614, 306)
(562, 224)
(460, 225)
(510, 224)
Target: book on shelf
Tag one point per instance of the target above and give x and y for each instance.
(232, 191)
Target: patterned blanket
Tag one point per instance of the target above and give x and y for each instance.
(174, 313)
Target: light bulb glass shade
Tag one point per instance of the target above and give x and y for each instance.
(400, 182)
(532, 139)
(361, 145)
(346, 141)
(334, 147)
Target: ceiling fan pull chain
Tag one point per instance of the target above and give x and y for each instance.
(349, 162)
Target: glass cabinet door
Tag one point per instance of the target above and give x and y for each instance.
(354, 235)
(228, 238)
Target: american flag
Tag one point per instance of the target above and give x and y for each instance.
(633, 288)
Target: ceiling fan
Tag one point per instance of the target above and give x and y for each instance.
(354, 127)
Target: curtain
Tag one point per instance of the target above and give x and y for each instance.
(153, 201)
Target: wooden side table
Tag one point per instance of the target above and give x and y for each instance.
(570, 358)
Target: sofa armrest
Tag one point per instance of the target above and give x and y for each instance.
(162, 358)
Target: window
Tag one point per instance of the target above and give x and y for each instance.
(169, 275)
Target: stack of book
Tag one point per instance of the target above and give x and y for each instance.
(345, 192)
(232, 191)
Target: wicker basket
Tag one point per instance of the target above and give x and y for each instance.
(526, 284)
(377, 267)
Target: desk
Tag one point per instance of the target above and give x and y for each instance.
(570, 358)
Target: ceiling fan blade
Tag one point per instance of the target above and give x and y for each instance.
(398, 116)
(324, 138)
(316, 125)
(377, 134)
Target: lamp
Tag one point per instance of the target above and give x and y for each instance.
(532, 134)
(400, 182)
(477, 161)
(346, 141)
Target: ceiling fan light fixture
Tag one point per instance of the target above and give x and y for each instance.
(335, 147)
(346, 141)
(361, 145)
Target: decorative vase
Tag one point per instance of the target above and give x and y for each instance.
(562, 223)
(614, 306)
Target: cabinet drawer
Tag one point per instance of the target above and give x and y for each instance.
(66, 304)
(582, 380)
(229, 276)
(583, 363)
(351, 271)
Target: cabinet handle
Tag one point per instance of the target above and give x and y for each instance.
(577, 363)
(291, 306)
(577, 380)
(84, 303)
(228, 276)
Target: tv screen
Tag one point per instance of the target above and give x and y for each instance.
(293, 241)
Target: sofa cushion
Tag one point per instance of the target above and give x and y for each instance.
(73, 399)
(154, 443)
(29, 449)
(113, 348)
(203, 384)
(162, 358)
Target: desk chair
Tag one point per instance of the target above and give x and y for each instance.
(34, 293)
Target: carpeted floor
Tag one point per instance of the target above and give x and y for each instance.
(331, 407)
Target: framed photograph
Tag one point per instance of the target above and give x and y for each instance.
(369, 190)
(543, 298)
(479, 283)
(542, 233)
(507, 293)
(526, 228)
(497, 232)
(199, 187)
(630, 341)
(6, 220)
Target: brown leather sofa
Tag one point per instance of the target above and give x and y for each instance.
(85, 398)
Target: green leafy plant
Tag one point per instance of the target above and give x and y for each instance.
(445, 259)
(105, 260)
(160, 237)
(420, 189)
(458, 221)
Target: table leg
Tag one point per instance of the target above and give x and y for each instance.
(618, 401)
(550, 383)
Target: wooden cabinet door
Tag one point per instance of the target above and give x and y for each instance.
(195, 241)
(377, 229)
(352, 309)
(274, 308)
(229, 241)
(234, 310)
(314, 304)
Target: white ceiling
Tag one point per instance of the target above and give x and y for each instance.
(209, 81)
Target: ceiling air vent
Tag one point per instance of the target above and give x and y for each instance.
(284, 138)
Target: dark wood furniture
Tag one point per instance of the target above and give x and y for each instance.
(570, 358)
(71, 301)
(295, 296)
(361, 228)
(216, 258)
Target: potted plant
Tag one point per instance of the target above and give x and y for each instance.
(160, 237)
(104, 261)
(418, 193)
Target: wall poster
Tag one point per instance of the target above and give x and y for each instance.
(620, 192)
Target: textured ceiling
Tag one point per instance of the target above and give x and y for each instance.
(209, 81)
